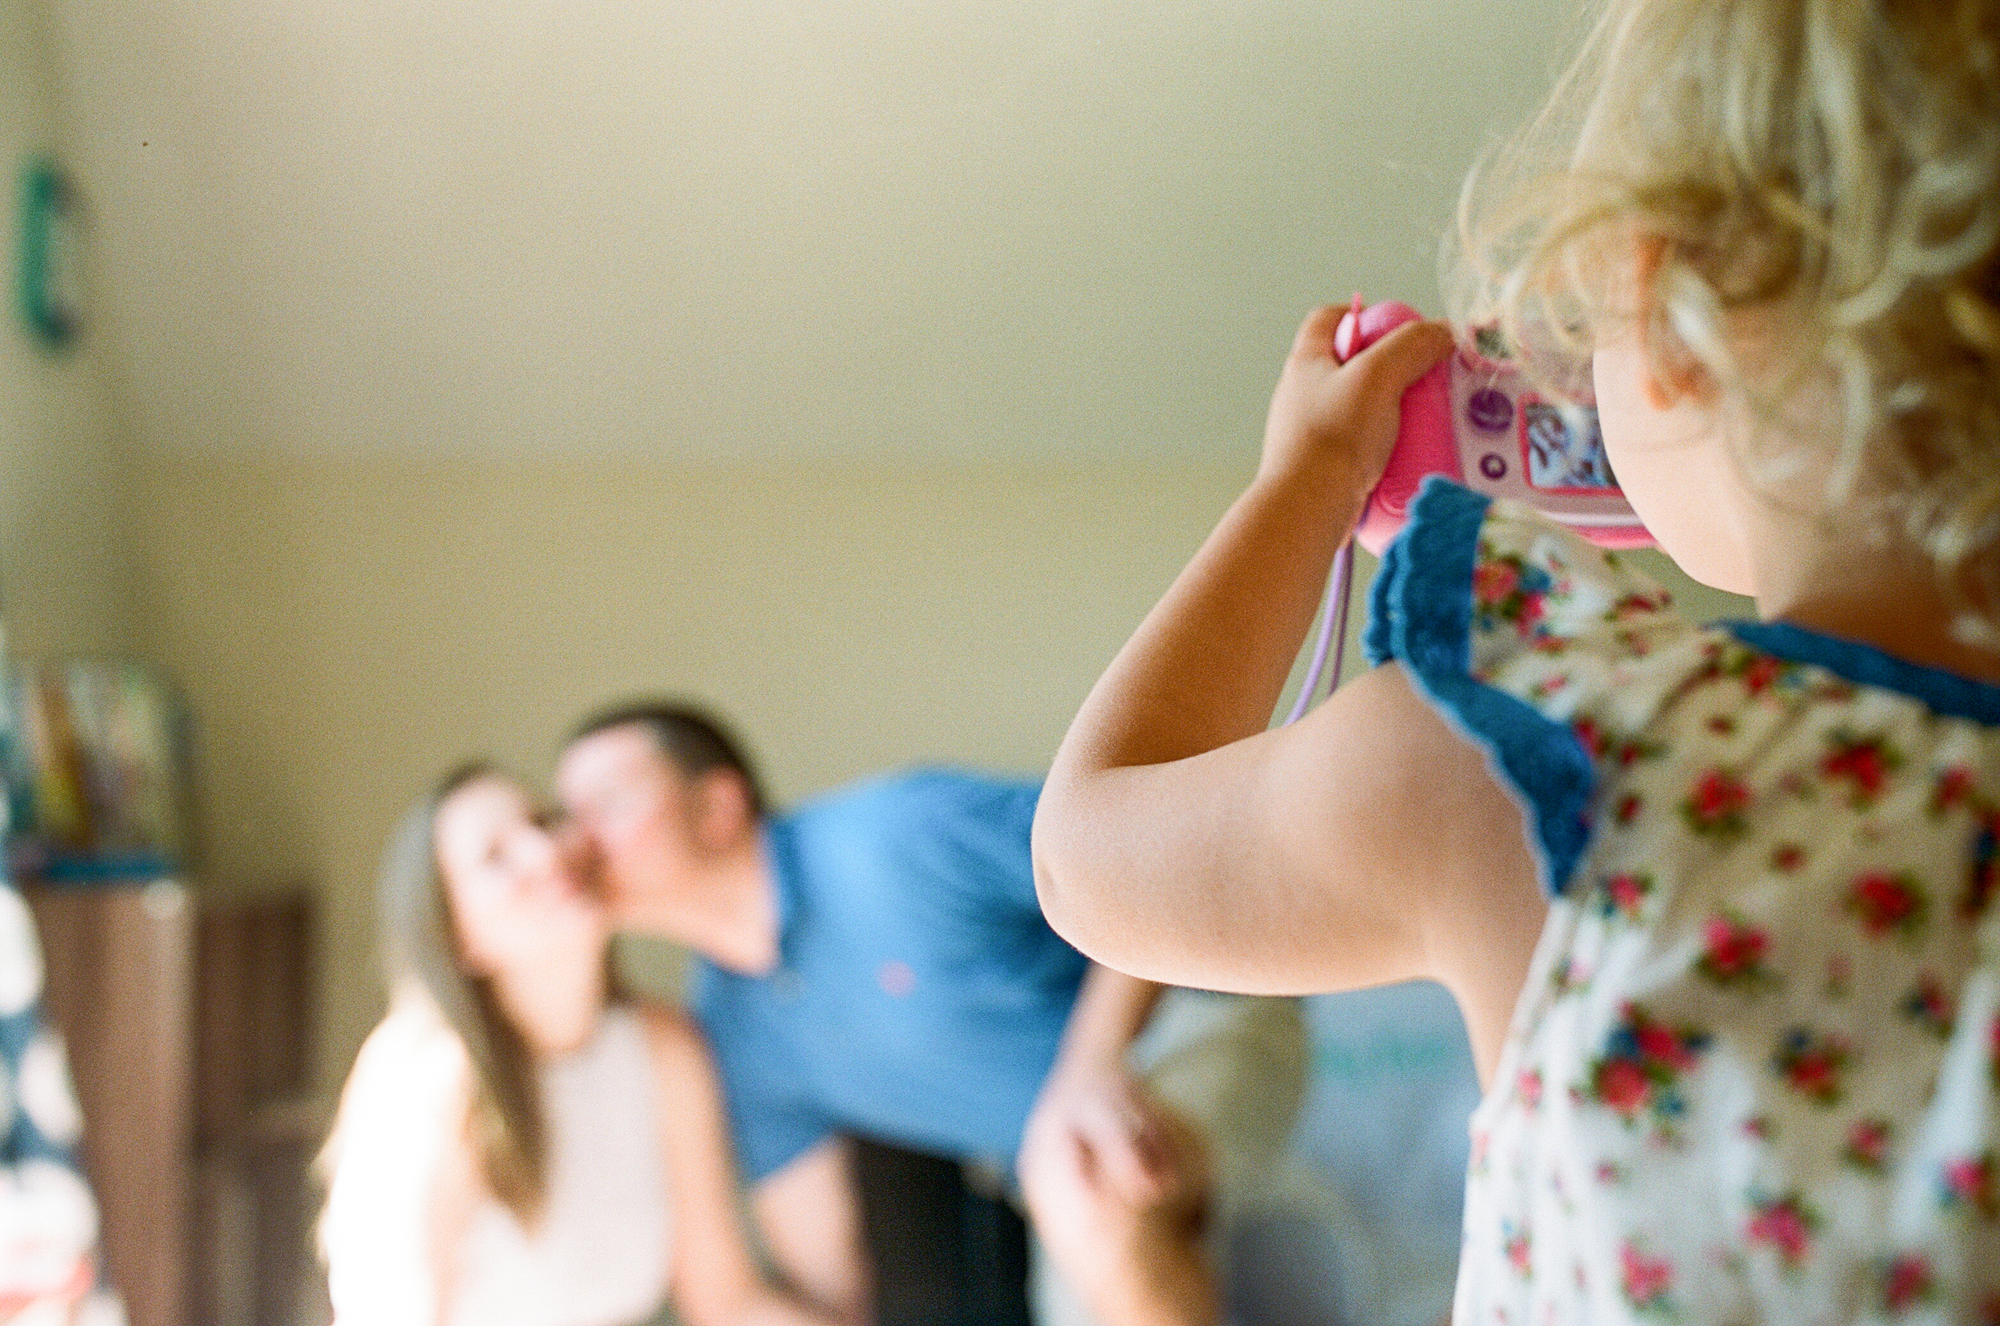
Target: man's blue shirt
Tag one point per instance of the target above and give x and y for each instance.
(919, 996)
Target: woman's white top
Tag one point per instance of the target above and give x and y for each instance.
(599, 1254)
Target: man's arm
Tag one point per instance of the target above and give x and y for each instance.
(809, 1214)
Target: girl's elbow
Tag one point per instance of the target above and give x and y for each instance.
(1054, 867)
(1064, 885)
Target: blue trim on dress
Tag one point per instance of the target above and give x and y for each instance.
(1946, 693)
(1420, 613)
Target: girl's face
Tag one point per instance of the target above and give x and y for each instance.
(516, 899)
(1671, 453)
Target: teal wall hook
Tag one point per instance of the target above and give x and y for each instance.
(46, 283)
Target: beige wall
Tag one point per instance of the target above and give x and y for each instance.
(65, 576)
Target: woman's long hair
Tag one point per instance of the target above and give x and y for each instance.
(504, 1123)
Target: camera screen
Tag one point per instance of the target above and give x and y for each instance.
(1561, 457)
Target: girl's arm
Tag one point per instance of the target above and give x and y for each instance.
(715, 1280)
(1179, 840)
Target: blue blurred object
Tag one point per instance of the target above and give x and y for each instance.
(1383, 1133)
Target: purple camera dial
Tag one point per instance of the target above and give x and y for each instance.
(1489, 410)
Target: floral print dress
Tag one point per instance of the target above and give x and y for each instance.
(1752, 1076)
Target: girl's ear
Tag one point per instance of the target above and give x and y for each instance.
(722, 815)
(1673, 372)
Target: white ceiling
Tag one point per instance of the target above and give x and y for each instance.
(729, 229)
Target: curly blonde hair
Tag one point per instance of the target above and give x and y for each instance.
(1835, 162)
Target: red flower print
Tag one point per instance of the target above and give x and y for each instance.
(1622, 1084)
(1815, 1065)
(1530, 1087)
(1868, 1144)
(1637, 604)
(1628, 808)
(1787, 857)
(1632, 752)
(1519, 1249)
(1908, 1281)
(1953, 787)
(1971, 1183)
(1885, 903)
(1760, 672)
(1863, 762)
(1733, 953)
(1784, 1224)
(1530, 614)
(1660, 1045)
(1644, 1060)
(1594, 740)
(1759, 1127)
(1492, 582)
(1508, 589)
(1714, 806)
(1647, 1280)
(1930, 1006)
(1815, 1075)
(1625, 894)
(1721, 724)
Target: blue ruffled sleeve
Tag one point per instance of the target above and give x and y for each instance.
(1516, 631)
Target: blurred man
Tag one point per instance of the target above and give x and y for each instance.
(874, 963)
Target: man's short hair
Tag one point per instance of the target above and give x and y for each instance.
(694, 739)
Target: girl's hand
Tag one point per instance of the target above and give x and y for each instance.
(1338, 421)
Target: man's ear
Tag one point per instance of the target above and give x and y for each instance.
(1673, 372)
(723, 817)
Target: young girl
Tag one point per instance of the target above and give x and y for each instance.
(1717, 902)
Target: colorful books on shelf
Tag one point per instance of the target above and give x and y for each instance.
(95, 756)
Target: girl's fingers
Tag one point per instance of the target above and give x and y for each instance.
(1405, 354)
(1315, 335)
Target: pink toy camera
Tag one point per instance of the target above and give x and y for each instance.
(1475, 420)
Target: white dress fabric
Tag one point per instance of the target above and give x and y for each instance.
(1752, 1076)
(600, 1253)
(48, 1215)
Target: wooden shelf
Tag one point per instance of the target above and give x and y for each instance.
(189, 1035)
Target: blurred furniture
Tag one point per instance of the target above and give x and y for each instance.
(189, 1037)
(120, 989)
(256, 1128)
(944, 1251)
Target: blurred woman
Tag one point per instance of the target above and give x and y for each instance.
(514, 1146)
